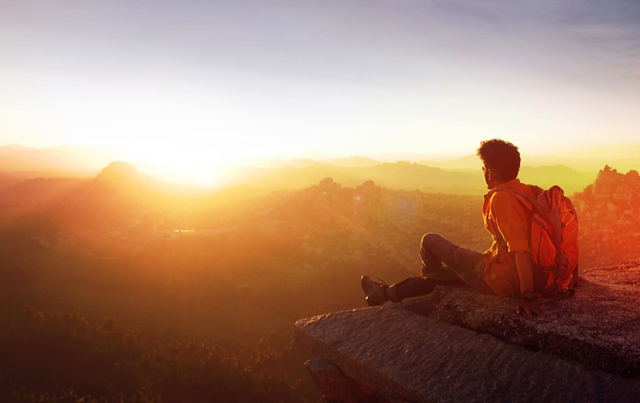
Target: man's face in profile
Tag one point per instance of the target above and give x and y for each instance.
(485, 175)
(489, 179)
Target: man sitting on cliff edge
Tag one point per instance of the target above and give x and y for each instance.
(505, 269)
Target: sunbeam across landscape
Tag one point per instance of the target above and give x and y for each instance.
(182, 182)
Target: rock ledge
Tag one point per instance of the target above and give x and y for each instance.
(457, 345)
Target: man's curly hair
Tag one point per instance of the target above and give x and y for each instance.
(501, 157)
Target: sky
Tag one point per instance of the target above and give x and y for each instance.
(195, 83)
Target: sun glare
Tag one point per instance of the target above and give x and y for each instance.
(186, 163)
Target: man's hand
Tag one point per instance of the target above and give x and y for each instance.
(525, 272)
(528, 307)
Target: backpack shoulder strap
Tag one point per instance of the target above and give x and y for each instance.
(532, 202)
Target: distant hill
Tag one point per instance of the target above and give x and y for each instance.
(457, 176)
(470, 161)
(8, 179)
(352, 162)
(14, 148)
(607, 151)
(568, 179)
(399, 175)
(39, 191)
(408, 157)
(294, 162)
(307, 162)
(404, 176)
(76, 161)
(584, 164)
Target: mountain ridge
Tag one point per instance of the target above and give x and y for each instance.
(85, 161)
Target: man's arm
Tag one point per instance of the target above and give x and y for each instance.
(525, 272)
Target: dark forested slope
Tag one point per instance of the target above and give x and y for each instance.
(232, 269)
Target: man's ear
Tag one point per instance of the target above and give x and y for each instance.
(493, 175)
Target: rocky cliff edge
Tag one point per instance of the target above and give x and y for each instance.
(458, 345)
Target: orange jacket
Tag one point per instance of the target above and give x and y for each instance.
(505, 219)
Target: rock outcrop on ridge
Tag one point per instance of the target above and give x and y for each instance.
(458, 345)
(609, 213)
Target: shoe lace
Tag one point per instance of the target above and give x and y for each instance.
(382, 281)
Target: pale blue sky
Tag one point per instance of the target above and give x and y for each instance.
(224, 80)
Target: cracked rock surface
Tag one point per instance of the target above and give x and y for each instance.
(458, 345)
(599, 326)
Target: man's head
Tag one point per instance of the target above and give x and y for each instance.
(501, 161)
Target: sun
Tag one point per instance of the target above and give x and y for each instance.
(188, 164)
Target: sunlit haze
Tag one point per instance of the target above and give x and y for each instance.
(198, 197)
(189, 86)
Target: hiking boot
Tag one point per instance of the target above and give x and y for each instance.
(375, 293)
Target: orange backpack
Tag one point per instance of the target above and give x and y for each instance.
(554, 239)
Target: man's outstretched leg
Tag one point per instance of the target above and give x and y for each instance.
(463, 266)
(379, 293)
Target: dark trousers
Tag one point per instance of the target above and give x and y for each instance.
(463, 266)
